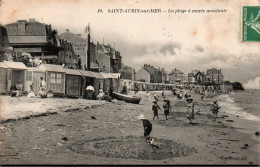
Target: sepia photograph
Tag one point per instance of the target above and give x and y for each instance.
(129, 82)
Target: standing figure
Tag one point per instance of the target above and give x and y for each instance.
(42, 84)
(215, 109)
(163, 93)
(147, 128)
(155, 110)
(190, 110)
(89, 91)
(42, 92)
(167, 108)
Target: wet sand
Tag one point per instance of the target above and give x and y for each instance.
(111, 134)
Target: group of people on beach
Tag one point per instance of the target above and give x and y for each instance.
(16, 90)
(167, 109)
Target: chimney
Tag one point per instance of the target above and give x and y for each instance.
(67, 30)
(31, 20)
(21, 27)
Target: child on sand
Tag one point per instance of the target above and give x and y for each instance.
(147, 128)
(215, 109)
(167, 108)
(190, 110)
(155, 110)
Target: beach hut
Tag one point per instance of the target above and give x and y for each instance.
(88, 78)
(145, 86)
(3, 78)
(32, 78)
(107, 81)
(99, 82)
(55, 78)
(73, 82)
(15, 74)
(139, 86)
(116, 82)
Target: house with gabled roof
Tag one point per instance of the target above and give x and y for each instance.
(32, 37)
(214, 75)
(149, 73)
(176, 76)
(199, 77)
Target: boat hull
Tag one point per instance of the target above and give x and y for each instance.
(126, 98)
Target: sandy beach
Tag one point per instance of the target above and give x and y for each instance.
(97, 132)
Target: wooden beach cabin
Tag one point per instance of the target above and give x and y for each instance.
(3, 78)
(139, 86)
(73, 82)
(33, 77)
(55, 78)
(87, 79)
(108, 81)
(15, 73)
(99, 82)
(116, 82)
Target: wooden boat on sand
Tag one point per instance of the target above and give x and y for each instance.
(127, 98)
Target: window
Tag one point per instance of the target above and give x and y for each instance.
(58, 80)
(53, 79)
(28, 75)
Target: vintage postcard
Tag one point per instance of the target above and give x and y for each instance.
(129, 82)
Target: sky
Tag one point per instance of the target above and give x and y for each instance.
(186, 41)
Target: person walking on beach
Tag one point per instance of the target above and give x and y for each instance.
(215, 109)
(155, 110)
(190, 110)
(163, 93)
(147, 128)
(167, 108)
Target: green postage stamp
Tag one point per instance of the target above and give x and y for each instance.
(250, 23)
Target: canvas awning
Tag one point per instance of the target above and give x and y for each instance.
(35, 69)
(107, 75)
(15, 65)
(116, 75)
(52, 67)
(2, 65)
(72, 71)
(97, 75)
(87, 73)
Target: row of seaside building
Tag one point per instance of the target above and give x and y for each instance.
(73, 82)
(70, 59)
(149, 73)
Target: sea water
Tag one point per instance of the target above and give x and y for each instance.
(243, 108)
(243, 104)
